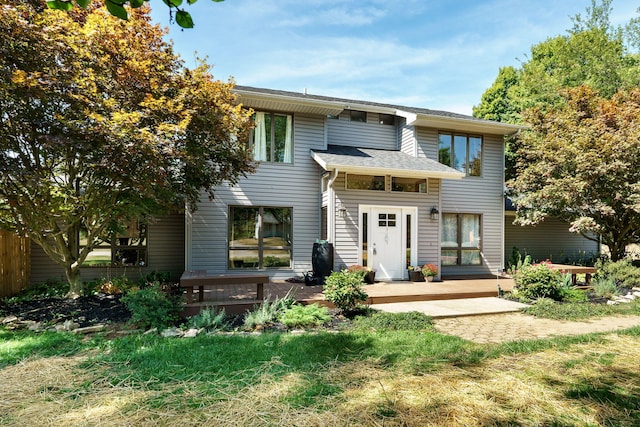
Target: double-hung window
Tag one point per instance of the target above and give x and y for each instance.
(260, 237)
(460, 243)
(272, 138)
(462, 152)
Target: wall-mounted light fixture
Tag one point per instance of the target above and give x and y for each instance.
(435, 214)
(342, 211)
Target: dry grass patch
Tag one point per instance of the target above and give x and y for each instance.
(583, 384)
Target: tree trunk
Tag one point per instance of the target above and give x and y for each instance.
(75, 285)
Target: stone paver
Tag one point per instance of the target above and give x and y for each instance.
(498, 328)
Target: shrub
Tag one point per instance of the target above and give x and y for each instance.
(622, 272)
(605, 287)
(40, 291)
(573, 295)
(151, 307)
(209, 320)
(517, 261)
(538, 281)
(344, 290)
(115, 286)
(268, 312)
(303, 316)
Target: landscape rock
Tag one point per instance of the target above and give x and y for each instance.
(172, 333)
(90, 329)
(191, 333)
(9, 319)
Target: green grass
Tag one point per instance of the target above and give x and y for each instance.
(549, 309)
(16, 346)
(313, 371)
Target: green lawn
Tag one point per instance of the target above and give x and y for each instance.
(372, 374)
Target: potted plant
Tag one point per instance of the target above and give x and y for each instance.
(429, 271)
(368, 274)
(415, 274)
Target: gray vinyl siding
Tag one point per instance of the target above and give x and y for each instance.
(365, 135)
(165, 253)
(347, 250)
(296, 185)
(550, 239)
(476, 195)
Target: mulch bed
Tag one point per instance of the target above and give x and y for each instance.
(85, 311)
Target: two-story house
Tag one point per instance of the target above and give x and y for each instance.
(388, 186)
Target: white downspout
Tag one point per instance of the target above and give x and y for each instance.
(331, 209)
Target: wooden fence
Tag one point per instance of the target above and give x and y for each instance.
(14, 263)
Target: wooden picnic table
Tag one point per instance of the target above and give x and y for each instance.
(574, 270)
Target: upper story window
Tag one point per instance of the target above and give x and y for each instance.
(462, 152)
(272, 138)
(358, 116)
(387, 119)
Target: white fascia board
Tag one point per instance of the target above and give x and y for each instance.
(466, 125)
(329, 107)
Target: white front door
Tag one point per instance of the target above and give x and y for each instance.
(387, 245)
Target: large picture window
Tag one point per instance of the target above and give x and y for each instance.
(461, 152)
(123, 249)
(272, 137)
(259, 237)
(460, 243)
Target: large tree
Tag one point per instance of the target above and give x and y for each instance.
(101, 124)
(593, 52)
(580, 162)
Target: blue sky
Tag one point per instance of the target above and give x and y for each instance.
(438, 54)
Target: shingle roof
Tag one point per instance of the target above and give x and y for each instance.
(357, 102)
(382, 162)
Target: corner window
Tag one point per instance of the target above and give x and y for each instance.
(272, 139)
(409, 185)
(127, 248)
(461, 152)
(260, 237)
(365, 182)
(460, 243)
(358, 116)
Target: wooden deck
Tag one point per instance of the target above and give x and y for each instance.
(379, 293)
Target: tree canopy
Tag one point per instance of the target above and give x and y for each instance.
(592, 53)
(580, 162)
(118, 8)
(100, 123)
